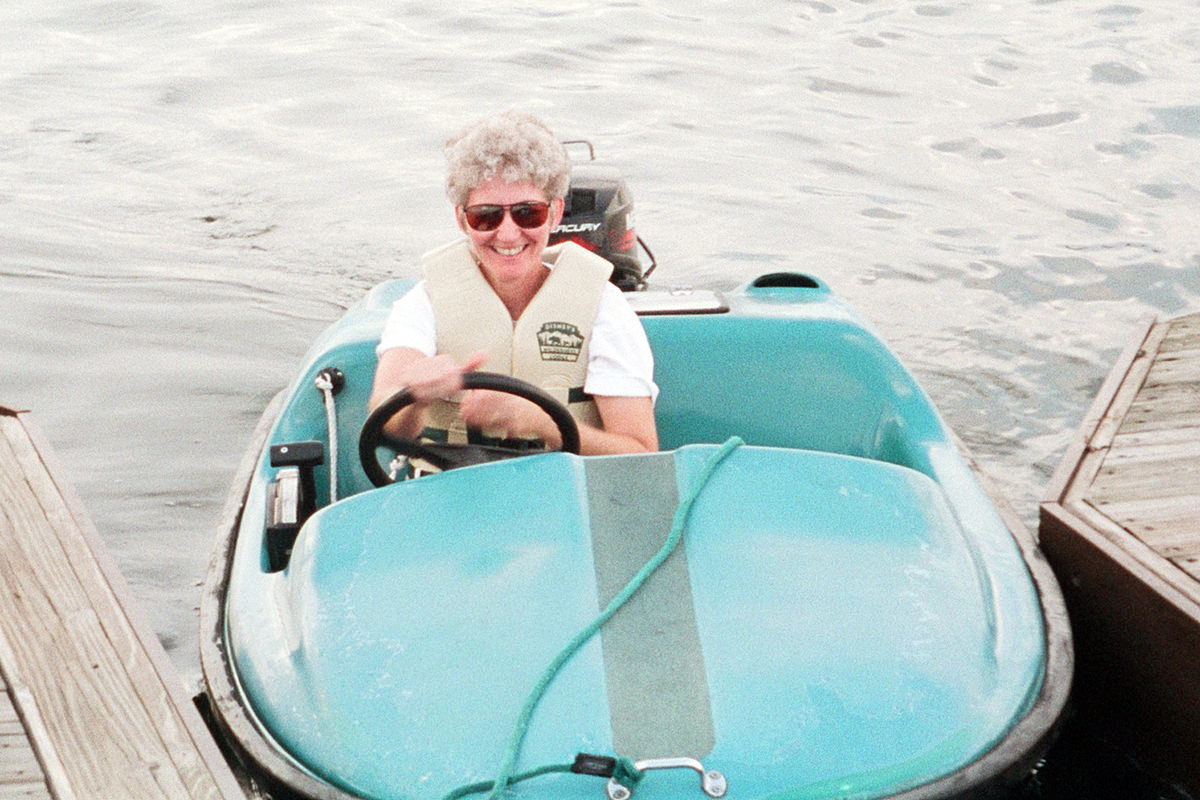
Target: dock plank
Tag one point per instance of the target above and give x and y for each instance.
(1139, 472)
(1164, 444)
(100, 684)
(1190, 565)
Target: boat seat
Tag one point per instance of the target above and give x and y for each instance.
(812, 384)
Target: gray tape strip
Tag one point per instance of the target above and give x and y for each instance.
(657, 686)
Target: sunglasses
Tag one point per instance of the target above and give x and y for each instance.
(530, 214)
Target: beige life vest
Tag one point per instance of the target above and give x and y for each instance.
(547, 346)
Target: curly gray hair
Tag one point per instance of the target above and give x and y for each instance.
(512, 146)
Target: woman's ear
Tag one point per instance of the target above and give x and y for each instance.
(460, 219)
(557, 206)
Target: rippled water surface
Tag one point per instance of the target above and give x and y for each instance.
(190, 192)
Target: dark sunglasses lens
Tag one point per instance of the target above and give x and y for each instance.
(484, 218)
(530, 215)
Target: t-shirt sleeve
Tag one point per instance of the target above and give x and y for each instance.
(620, 363)
(410, 323)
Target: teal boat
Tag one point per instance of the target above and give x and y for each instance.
(806, 593)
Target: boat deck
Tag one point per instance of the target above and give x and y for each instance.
(1120, 522)
(89, 706)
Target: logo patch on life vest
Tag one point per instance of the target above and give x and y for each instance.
(560, 341)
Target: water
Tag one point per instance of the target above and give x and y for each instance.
(190, 192)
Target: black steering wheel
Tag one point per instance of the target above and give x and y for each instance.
(449, 456)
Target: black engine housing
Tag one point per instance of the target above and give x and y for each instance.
(598, 214)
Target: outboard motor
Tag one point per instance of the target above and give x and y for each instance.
(598, 214)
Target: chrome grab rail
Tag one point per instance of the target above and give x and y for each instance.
(712, 782)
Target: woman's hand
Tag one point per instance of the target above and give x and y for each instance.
(506, 416)
(437, 378)
(427, 378)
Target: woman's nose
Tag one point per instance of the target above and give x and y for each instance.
(508, 228)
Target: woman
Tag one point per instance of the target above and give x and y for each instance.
(501, 301)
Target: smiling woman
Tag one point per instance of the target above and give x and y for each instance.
(502, 299)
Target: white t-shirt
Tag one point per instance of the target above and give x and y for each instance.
(620, 363)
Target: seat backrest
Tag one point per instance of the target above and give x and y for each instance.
(814, 384)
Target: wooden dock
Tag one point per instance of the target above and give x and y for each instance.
(90, 706)
(1120, 523)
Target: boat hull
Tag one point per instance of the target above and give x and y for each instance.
(847, 614)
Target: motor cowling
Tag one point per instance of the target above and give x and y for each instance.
(598, 215)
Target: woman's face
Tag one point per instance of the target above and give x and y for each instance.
(509, 254)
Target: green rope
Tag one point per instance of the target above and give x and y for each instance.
(513, 751)
(486, 786)
(626, 773)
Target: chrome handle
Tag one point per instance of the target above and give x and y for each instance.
(712, 782)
